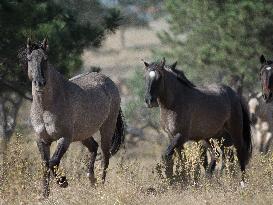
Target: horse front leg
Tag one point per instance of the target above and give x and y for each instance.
(44, 149)
(176, 143)
(54, 162)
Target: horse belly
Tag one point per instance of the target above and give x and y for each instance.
(88, 123)
(207, 128)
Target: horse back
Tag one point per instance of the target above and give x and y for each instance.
(81, 107)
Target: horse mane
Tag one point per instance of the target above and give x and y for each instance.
(179, 74)
(268, 62)
(182, 78)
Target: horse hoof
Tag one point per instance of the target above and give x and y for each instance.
(62, 182)
(92, 179)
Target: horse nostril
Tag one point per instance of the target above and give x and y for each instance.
(146, 100)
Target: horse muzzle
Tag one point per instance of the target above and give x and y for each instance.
(39, 85)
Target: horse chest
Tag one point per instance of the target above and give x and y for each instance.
(46, 121)
(168, 122)
(50, 123)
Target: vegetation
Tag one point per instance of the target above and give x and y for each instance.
(69, 29)
(214, 39)
(134, 178)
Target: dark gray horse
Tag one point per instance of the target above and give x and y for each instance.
(223, 141)
(72, 110)
(188, 112)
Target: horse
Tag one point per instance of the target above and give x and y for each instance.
(261, 114)
(188, 112)
(266, 75)
(72, 110)
(223, 141)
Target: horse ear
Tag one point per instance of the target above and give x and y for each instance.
(45, 44)
(173, 66)
(28, 45)
(262, 59)
(162, 63)
(145, 63)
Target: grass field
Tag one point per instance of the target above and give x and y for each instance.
(133, 178)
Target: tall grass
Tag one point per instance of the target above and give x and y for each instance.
(132, 180)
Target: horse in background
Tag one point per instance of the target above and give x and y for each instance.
(193, 113)
(261, 115)
(72, 110)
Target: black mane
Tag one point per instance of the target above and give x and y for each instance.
(269, 62)
(182, 78)
(179, 74)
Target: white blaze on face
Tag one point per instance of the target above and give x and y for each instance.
(152, 74)
(268, 68)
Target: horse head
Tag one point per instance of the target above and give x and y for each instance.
(153, 76)
(37, 64)
(266, 76)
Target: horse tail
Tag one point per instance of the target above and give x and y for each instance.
(246, 131)
(119, 134)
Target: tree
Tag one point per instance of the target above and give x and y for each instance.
(68, 33)
(135, 13)
(213, 39)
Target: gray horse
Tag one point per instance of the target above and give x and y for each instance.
(72, 110)
(188, 112)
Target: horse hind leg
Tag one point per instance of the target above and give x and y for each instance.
(92, 146)
(107, 131)
(236, 133)
(209, 167)
(227, 153)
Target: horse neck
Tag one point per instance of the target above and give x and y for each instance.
(172, 90)
(53, 89)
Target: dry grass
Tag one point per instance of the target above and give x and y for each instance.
(133, 178)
